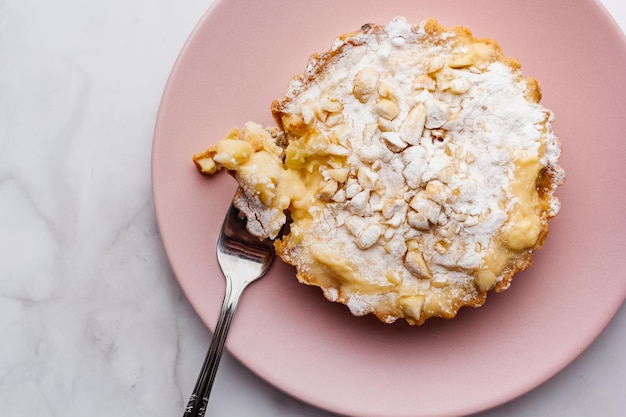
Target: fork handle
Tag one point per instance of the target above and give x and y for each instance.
(197, 405)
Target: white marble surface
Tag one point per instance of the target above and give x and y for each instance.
(92, 322)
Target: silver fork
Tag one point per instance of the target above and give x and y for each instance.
(243, 259)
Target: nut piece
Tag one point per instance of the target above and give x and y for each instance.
(436, 191)
(396, 246)
(477, 55)
(338, 174)
(435, 64)
(354, 224)
(334, 119)
(387, 91)
(413, 306)
(417, 220)
(206, 165)
(422, 204)
(485, 279)
(369, 236)
(335, 149)
(340, 196)
(352, 187)
(393, 141)
(384, 125)
(415, 263)
(366, 177)
(331, 105)
(413, 126)
(294, 124)
(387, 109)
(308, 113)
(327, 190)
(365, 84)
(413, 173)
(394, 207)
(460, 85)
(442, 246)
(424, 82)
(358, 205)
(395, 211)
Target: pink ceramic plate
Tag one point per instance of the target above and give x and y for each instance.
(241, 56)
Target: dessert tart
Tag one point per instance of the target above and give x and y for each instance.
(413, 164)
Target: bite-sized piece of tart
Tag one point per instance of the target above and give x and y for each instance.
(414, 164)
